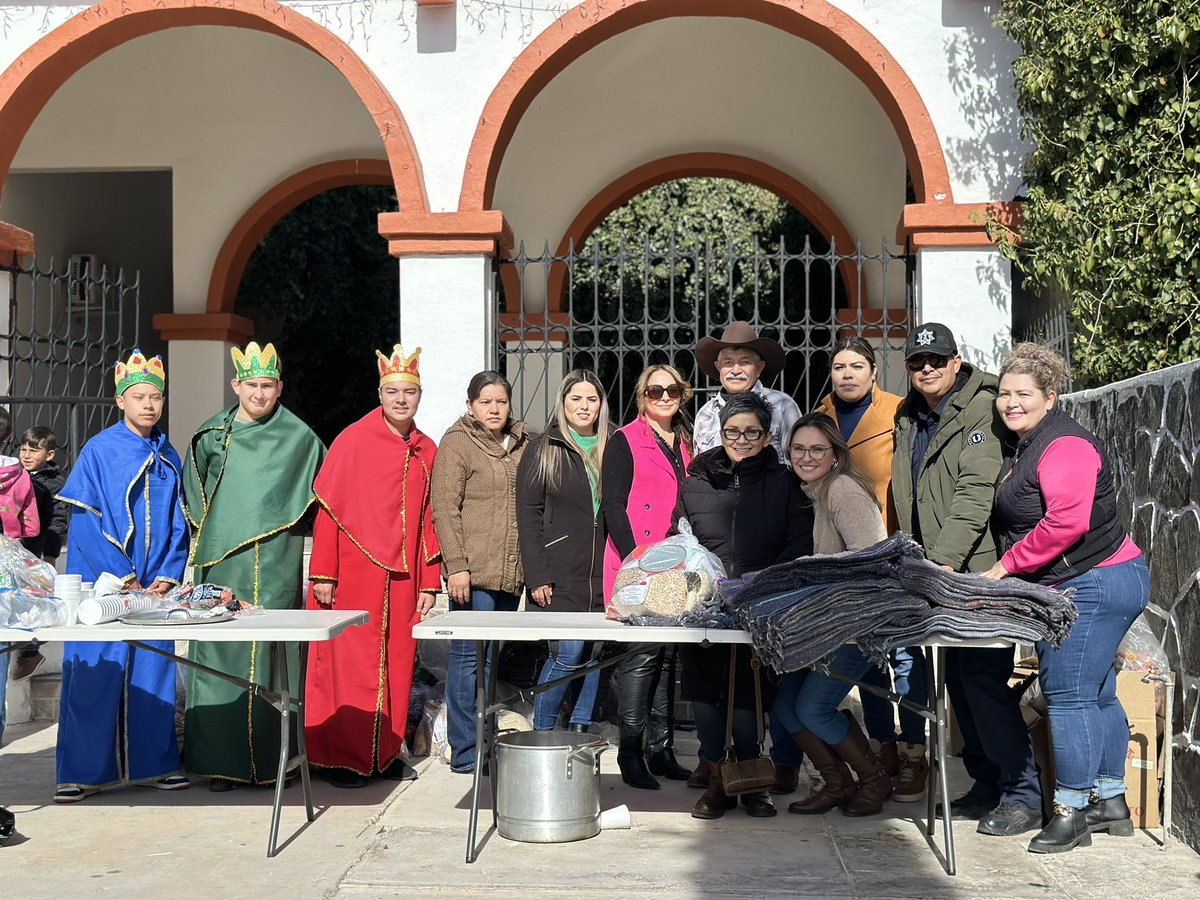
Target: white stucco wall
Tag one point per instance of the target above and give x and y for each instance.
(230, 112)
(968, 290)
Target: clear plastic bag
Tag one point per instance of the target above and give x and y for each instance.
(27, 609)
(22, 570)
(666, 578)
(1141, 651)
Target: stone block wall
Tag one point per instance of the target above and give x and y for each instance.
(1149, 427)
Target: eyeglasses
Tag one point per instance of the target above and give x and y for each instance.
(733, 435)
(817, 453)
(656, 391)
(934, 360)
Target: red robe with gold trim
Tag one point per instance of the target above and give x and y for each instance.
(374, 536)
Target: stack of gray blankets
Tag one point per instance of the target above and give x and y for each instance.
(799, 613)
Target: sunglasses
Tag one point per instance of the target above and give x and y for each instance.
(934, 360)
(656, 391)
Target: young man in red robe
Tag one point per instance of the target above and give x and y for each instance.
(374, 548)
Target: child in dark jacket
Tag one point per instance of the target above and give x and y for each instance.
(39, 449)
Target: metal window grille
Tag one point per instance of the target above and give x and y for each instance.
(1053, 329)
(616, 313)
(60, 331)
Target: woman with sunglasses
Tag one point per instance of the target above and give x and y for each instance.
(644, 467)
(750, 511)
(865, 415)
(847, 517)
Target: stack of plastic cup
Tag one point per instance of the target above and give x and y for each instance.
(69, 589)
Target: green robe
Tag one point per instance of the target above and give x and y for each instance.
(247, 492)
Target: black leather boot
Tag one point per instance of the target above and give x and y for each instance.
(663, 763)
(1067, 830)
(1110, 815)
(633, 765)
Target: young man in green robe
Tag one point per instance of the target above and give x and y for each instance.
(247, 484)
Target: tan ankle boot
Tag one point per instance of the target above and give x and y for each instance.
(910, 786)
(838, 788)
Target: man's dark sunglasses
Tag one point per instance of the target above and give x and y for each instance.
(918, 363)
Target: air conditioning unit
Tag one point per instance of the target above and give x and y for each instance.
(84, 294)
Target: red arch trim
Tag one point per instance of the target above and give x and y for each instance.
(716, 165)
(28, 84)
(594, 21)
(268, 209)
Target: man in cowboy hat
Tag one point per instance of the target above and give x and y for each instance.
(741, 361)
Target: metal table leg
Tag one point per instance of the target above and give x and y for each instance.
(490, 727)
(301, 745)
(279, 664)
(939, 678)
(480, 715)
(931, 793)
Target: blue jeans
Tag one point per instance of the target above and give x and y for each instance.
(711, 731)
(808, 700)
(460, 680)
(908, 667)
(1087, 722)
(566, 657)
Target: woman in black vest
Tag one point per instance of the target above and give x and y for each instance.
(1056, 513)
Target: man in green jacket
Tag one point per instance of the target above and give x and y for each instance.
(248, 489)
(948, 452)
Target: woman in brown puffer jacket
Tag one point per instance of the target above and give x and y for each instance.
(474, 498)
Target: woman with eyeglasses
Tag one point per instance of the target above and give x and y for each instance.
(561, 535)
(751, 512)
(644, 466)
(847, 517)
(865, 415)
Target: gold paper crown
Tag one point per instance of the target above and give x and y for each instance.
(399, 367)
(140, 369)
(256, 362)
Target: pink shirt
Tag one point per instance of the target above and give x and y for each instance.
(1067, 478)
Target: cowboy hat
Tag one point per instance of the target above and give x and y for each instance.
(740, 334)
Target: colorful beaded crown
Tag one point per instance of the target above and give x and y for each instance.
(140, 369)
(399, 367)
(256, 362)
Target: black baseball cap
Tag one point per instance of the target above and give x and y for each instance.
(930, 337)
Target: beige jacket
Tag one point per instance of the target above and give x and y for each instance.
(846, 518)
(474, 496)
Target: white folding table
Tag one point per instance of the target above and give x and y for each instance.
(500, 627)
(275, 627)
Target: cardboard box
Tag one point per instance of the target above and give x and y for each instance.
(1143, 761)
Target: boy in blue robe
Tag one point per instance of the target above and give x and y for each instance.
(116, 721)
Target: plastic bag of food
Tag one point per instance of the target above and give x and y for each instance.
(666, 578)
(22, 570)
(1141, 651)
(28, 609)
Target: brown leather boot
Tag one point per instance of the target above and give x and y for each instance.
(714, 802)
(889, 756)
(701, 775)
(874, 785)
(787, 779)
(838, 788)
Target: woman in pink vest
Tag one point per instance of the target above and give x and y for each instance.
(644, 465)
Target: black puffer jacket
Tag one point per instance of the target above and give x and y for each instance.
(751, 515)
(562, 539)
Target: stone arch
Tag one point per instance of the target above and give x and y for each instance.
(32, 79)
(592, 22)
(272, 206)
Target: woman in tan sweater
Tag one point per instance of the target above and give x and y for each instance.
(847, 516)
(474, 496)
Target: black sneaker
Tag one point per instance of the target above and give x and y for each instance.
(1008, 819)
(399, 770)
(8, 824)
(974, 804)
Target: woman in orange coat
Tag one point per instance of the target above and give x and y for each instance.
(866, 417)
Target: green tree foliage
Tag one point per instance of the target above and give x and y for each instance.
(1111, 101)
(322, 286)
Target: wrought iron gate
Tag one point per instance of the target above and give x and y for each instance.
(616, 313)
(60, 331)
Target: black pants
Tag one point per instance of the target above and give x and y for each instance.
(997, 751)
(645, 689)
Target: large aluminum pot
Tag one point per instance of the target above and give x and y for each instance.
(548, 786)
